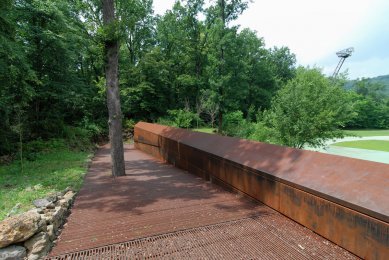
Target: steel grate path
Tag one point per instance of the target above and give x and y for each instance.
(160, 212)
(248, 238)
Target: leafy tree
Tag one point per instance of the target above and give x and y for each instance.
(182, 43)
(183, 118)
(53, 56)
(208, 104)
(282, 62)
(221, 75)
(137, 27)
(147, 95)
(308, 110)
(16, 78)
(370, 104)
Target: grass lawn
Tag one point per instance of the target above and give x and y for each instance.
(377, 145)
(50, 172)
(204, 130)
(373, 132)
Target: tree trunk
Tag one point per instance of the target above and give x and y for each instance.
(113, 96)
(221, 65)
(220, 126)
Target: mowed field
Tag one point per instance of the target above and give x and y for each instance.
(362, 133)
(377, 145)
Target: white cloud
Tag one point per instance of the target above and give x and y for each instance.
(311, 29)
(160, 6)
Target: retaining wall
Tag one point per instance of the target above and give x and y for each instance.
(343, 199)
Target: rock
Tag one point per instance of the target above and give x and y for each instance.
(42, 225)
(57, 217)
(63, 203)
(50, 232)
(38, 245)
(12, 253)
(52, 198)
(50, 205)
(41, 203)
(34, 257)
(69, 197)
(19, 228)
(47, 218)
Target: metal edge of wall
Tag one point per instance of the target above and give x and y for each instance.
(357, 232)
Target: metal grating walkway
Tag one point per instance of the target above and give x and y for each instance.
(252, 238)
(160, 212)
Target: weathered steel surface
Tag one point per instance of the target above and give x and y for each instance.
(263, 237)
(343, 199)
(159, 211)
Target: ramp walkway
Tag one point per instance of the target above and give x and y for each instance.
(159, 211)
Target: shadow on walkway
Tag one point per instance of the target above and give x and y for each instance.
(155, 199)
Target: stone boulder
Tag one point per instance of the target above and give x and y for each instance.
(69, 197)
(40, 203)
(50, 232)
(13, 253)
(38, 245)
(57, 217)
(19, 228)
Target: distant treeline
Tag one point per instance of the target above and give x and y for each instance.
(382, 80)
(370, 99)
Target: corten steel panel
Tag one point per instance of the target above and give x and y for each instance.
(169, 150)
(146, 137)
(342, 225)
(184, 153)
(198, 158)
(259, 170)
(152, 150)
(353, 183)
(192, 168)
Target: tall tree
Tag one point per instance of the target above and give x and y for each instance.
(113, 97)
(218, 17)
(308, 110)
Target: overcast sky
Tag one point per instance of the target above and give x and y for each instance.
(316, 29)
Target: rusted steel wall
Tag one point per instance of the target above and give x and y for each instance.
(343, 199)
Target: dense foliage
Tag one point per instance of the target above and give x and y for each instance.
(309, 110)
(46, 73)
(52, 65)
(370, 104)
(189, 67)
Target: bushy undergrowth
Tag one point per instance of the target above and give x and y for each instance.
(182, 118)
(48, 167)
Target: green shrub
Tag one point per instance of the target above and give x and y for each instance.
(78, 138)
(128, 128)
(183, 118)
(33, 149)
(95, 129)
(262, 133)
(166, 121)
(235, 125)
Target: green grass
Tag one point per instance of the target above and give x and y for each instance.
(50, 172)
(372, 132)
(377, 145)
(204, 130)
